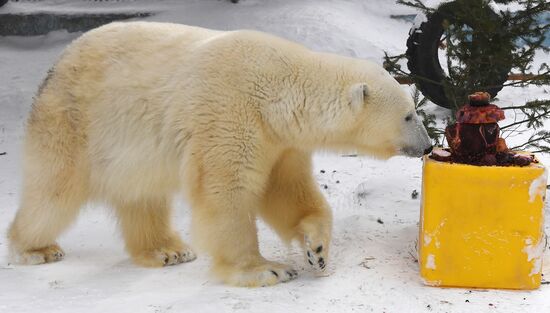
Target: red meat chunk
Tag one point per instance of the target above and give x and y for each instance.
(475, 138)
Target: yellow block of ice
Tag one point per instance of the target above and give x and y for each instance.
(482, 226)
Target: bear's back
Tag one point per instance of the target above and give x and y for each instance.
(154, 51)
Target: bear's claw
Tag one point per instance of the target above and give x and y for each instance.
(177, 257)
(165, 257)
(283, 275)
(315, 254)
(47, 254)
(260, 275)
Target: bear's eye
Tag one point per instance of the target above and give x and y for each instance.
(409, 117)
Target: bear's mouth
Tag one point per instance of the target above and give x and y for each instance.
(414, 151)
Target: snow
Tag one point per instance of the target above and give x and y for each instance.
(494, 6)
(373, 266)
(418, 20)
(534, 253)
(538, 186)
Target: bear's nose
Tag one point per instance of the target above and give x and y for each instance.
(427, 151)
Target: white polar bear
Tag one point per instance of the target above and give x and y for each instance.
(135, 112)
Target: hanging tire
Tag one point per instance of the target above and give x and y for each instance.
(423, 59)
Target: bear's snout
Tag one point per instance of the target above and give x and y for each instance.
(415, 138)
(427, 151)
(415, 152)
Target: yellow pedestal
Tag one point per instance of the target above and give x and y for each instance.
(482, 226)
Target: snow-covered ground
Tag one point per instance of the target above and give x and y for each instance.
(372, 266)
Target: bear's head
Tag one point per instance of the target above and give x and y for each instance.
(384, 122)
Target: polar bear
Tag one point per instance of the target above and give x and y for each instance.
(135, 112)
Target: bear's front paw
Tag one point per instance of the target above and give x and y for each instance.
(316, 253)
(262, 275)
(316, 240)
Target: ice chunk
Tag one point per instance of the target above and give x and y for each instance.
(538, 186)
(534, 252)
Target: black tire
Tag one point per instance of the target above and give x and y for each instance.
(2, 2)
(423, 60)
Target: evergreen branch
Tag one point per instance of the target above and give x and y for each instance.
(525, 120)
(543, 136)
(416, 4)
(531, 105)
(519, 107)
(540, 140)
(479, 49)
(538, 77)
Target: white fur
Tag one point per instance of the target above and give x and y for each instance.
(135, 112)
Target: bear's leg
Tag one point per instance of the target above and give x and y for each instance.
(225, 198)
(149, 235)
(229, 234)
(40, 220)
(52, 195)
(295, 208)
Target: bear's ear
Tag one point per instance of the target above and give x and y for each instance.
(358, 93)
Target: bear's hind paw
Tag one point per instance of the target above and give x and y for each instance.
(47, 254)
(263, 275)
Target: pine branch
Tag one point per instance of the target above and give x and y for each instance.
(474, 59)
(537, 79)
(519, 107)
(540, 140)
(525, 121)
(429, 120)
(416, 4)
